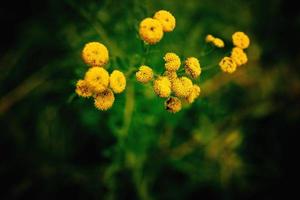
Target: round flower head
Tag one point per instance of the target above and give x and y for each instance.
(173, 104)
(151, 30)
(95, 54)
(162, 86)
(172, 62)
(192, 67)
(97, 78)
(144, 75)
(104, 100)
(209, 38)
(241, 40)
(194, 94)
(83, 89)
(117, 81)
(239, 56)
(227, 65)
(182, 86)
(171, 75)
(218, 42)
(166, 19)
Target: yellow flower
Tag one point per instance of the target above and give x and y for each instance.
(171, 75)
(144, 75)
(162, 86)
(173, 104)
(172, 62)
(227, 65)
(83, 89)
(239, 56)
(104, 100)
(151, 30)
(192, 67)
(166, 19)
(182, 86)
(194, 94)
(97, 78)
(241, 40)
(95, 54)
(218, 42)
(117, 81)
(209, 38)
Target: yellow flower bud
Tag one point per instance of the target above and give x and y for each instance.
(162, 86)
(239, 56)
(104, 100)
(209, 38)
(144, 75)
(172, 62)
(97, 78)
(83, 89)
(241, 40)
(173, 104)
(172, 75)
(166, 19)
(218, 42)
(192, 67)
(182, 86)
(117, 81)
(151, 30)
(95, 54)
(227, 65)
(194, 94)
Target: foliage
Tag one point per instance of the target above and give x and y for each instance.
(60, 146)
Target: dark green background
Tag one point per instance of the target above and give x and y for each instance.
(235, 142)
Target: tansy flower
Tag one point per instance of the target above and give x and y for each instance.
(218, 42)
(182, 86)
(173, 104)
(172, 75)
(209, 38)
(97, 78)
(172, 62)
(240, 40)
(166, 19)
(227, 65)
(83, 89)
(104, 100)
(192, 67)
(117, 81)
(151, 30)
(162, 86)
(239, 56)
(194, 94)
(144, 75)
(95, 54)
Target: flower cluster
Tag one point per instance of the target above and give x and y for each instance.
(151, 30)
(238, 57)
(97, 82)
(215, 41)
(171, 86)
(175, 83)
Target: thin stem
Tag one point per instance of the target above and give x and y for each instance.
(146, 49)
(208, 52)
(98, 28)
(128, 110)
(208, 67)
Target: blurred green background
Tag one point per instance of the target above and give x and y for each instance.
(234, 142)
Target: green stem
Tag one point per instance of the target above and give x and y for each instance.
(128, 110)
(208, 67)
(97, 27)
(146, 49)
(208, 52)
